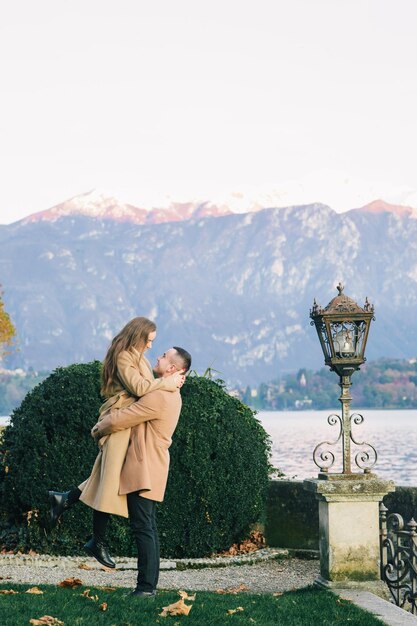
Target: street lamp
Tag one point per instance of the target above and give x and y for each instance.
(343, 328)
(348, 502)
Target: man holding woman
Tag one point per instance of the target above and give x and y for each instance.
(130, 473)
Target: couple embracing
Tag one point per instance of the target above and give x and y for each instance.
(134, 432)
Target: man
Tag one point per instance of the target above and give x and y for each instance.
(153, 419)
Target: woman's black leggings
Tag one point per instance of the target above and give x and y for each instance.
(100, 519)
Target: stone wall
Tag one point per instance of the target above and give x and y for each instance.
(292, 519)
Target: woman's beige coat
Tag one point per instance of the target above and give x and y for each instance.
(152, 420)
(134, 379)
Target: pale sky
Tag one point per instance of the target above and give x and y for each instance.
(295, 101)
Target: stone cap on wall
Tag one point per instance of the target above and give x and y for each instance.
(342, 489)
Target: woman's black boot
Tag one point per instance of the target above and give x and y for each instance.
(59, 502)
(99, 550)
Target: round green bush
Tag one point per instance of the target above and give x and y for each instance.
(216, 489)
(48, 446)
(219, 473)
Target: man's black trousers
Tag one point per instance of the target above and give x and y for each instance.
(142, 517)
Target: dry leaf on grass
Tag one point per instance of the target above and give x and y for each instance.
(70, 582)
(46, 619)
(233, 590)
(108, 588)
(236, 610)
(34, 590)
(84, 566)
(8, 592)
(86, 594)
(103, 607)
(177, 608)
(184, 595)
(278, 593)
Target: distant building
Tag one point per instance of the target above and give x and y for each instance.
(303, 380)
(303, 404)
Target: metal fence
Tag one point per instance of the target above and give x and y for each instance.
(399, 558)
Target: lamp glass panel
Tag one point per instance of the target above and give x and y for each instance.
(344, 342)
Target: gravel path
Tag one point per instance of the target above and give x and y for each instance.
(263, 576)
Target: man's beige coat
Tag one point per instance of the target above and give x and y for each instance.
(134, 379)
(152, 421)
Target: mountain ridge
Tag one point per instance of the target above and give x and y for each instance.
(97, 204)
(234, 289)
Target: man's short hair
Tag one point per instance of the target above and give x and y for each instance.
(184, 357)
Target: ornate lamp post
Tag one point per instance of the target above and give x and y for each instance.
(343, 328)
(348, 501)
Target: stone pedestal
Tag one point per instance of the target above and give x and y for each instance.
(349, 527)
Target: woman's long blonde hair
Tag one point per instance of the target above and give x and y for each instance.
(134, 335)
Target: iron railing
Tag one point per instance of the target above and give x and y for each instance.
(399, 558)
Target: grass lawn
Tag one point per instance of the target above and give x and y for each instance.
(304, 607)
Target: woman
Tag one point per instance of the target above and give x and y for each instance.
(126, 376)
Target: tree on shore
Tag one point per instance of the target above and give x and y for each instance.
(7, 330)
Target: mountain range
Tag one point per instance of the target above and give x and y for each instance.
(234, 289)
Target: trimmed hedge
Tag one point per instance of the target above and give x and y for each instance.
(48, 446)
(219, 473)
(403, 501)
(216, 489)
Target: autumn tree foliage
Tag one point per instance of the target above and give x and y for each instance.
(7, 330)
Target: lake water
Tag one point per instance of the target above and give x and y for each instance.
(295, 434)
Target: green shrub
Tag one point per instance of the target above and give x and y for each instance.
(216, 489)
(219, 473)
(403, 501)
(48, 446)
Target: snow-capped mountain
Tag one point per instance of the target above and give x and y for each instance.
(380, 206)
(234, 289)
(98, 205)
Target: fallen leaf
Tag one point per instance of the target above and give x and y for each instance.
(32, 553)
(46, 619)
(8, 592)
(103, 607)
(177, 608)
(34, 590)
(108, 588)
(236, 610)
(234, 590)
(106, 569)
(184, 595)
(70, 582)
(255, 542)
(84, 566)
(86, 594)
(278, 593)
